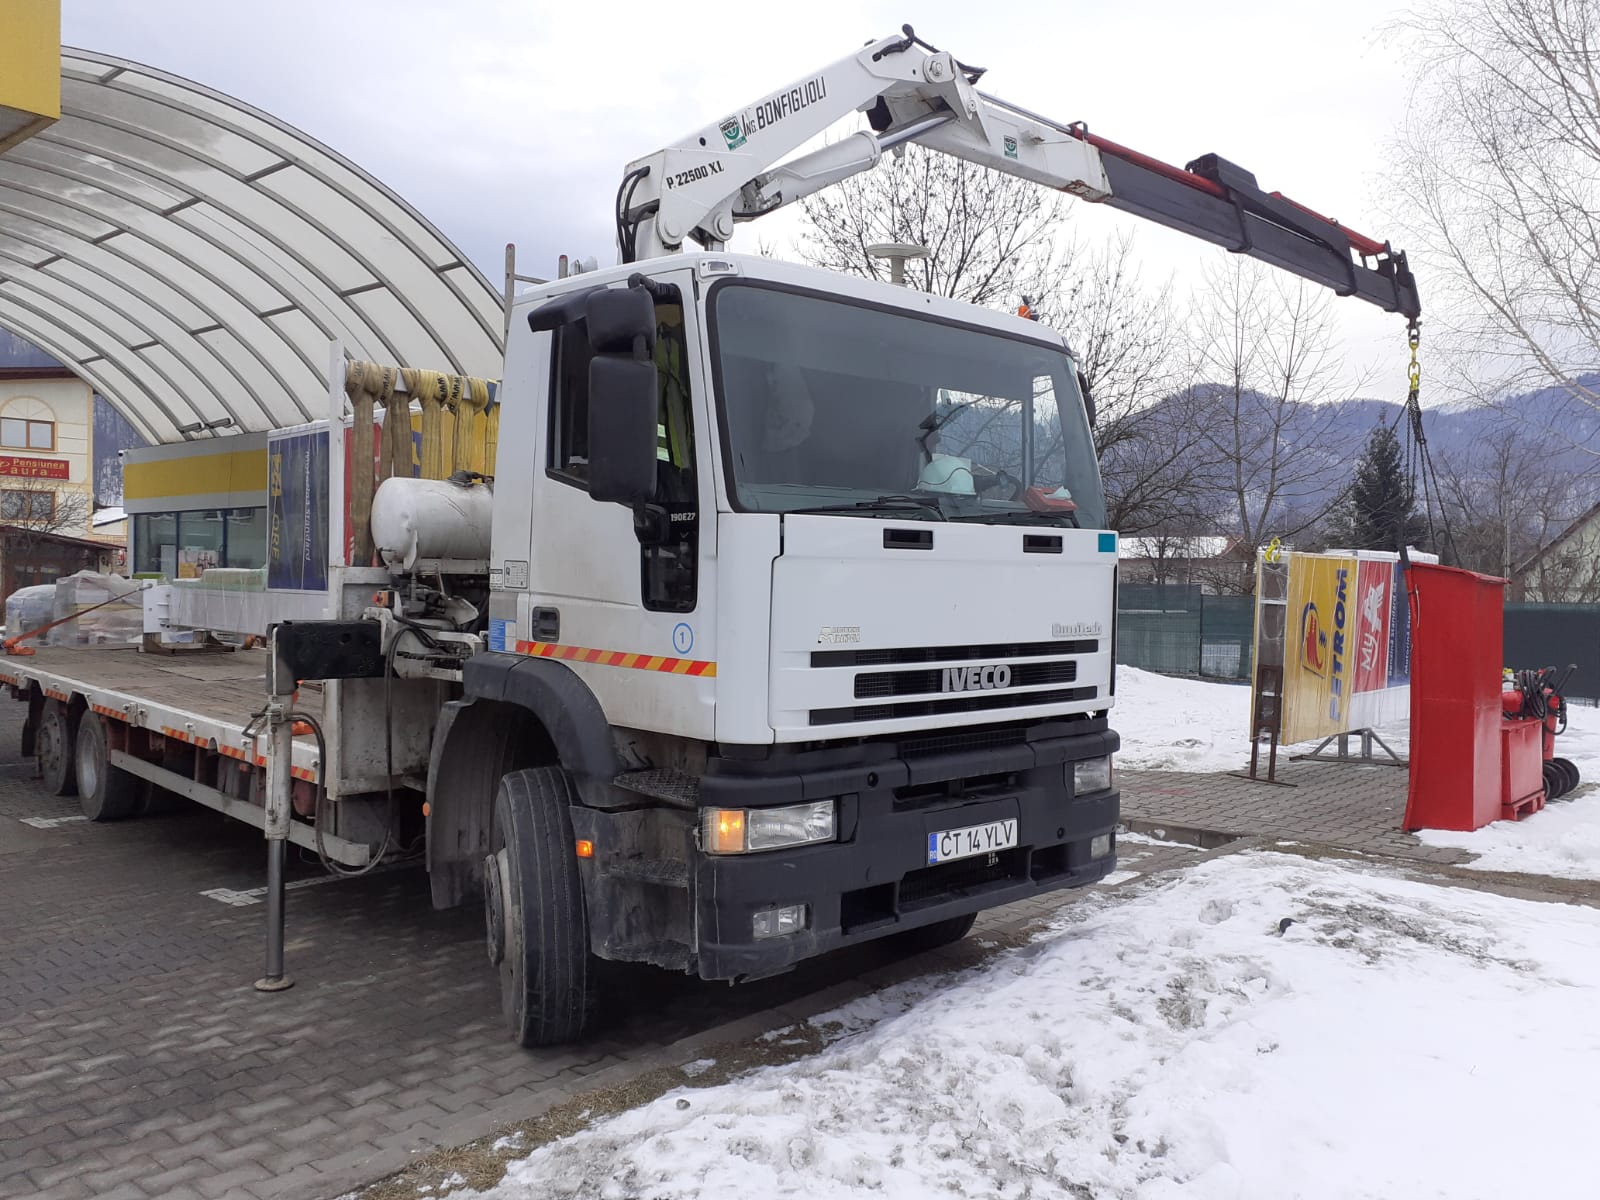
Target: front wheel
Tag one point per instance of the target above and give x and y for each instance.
(538, 930)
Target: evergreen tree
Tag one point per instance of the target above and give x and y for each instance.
(1381, 501)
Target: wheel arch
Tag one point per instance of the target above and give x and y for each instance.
(515, 712)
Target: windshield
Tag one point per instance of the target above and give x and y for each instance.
(830, 406)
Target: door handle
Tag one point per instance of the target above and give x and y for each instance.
(547, 624)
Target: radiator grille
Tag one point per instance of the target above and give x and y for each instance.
(995, 652)
(967, 702)
(936, 679)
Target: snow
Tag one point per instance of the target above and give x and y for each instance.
(1174, 724)
(1140, 839)
(1398, 1039)
(1563, 840)
(1171, 724)
(1117, 877)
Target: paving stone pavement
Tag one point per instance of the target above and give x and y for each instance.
(136, 1060)
(1357, 806)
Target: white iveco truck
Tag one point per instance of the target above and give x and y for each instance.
(796, 624)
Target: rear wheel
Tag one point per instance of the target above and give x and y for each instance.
(940, 933)
(538, 931)
(105, 793)
(53, 744)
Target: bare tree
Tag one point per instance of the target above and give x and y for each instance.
(1265, 392)
(34, 509)
(1498, 165)
(1506, 497)
(991, 238)
(1127, 336)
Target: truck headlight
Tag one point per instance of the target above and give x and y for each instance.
(742, 830)
(1091, 775)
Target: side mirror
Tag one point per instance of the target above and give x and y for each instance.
(623, 406)
(623, 398)
(1088, 398)
(618, 318)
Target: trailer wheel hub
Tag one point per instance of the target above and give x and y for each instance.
(494, 910)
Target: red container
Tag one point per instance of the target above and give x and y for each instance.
(1521, 768)
(1457, 641)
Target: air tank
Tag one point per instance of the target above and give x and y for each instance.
(430, 518)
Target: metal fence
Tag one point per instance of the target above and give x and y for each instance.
(1553, 635)
(1177, 630)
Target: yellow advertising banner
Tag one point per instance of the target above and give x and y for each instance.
(1317, 667)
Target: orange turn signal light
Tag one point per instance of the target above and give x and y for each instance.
(723, 830)
(585, 848)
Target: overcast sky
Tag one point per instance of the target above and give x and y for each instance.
(511, 121)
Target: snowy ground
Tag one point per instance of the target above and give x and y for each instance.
(1171, 724)
(1194, 725)
(1397, 1039)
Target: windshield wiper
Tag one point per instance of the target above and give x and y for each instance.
(887, 503)
(1022, 517)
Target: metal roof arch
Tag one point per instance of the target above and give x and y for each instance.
(191, 257)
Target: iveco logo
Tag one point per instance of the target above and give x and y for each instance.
(976, 679)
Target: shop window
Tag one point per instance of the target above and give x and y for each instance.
(153, 535)
(16, 433)
(184, 545)
(200, 541)
(246, 538)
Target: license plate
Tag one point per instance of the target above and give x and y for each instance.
(974, 839)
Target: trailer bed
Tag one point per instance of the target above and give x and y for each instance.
(204, 699)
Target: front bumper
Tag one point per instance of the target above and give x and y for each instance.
(875, 879)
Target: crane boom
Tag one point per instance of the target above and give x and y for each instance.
(734, 170)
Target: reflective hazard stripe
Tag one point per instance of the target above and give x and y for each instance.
(619, 658)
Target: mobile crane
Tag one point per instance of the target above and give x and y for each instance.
(796, 625)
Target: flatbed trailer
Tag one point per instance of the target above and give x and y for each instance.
(183, 722)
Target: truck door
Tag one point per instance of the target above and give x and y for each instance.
(626, 598)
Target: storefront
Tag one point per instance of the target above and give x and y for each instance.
(194, 506)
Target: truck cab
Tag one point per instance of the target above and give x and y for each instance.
(804, 582)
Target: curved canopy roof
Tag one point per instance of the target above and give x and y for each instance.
(192, 257)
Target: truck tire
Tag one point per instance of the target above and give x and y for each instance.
(940, 933)
(54, 746)
(538, 931)
(105, 793)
